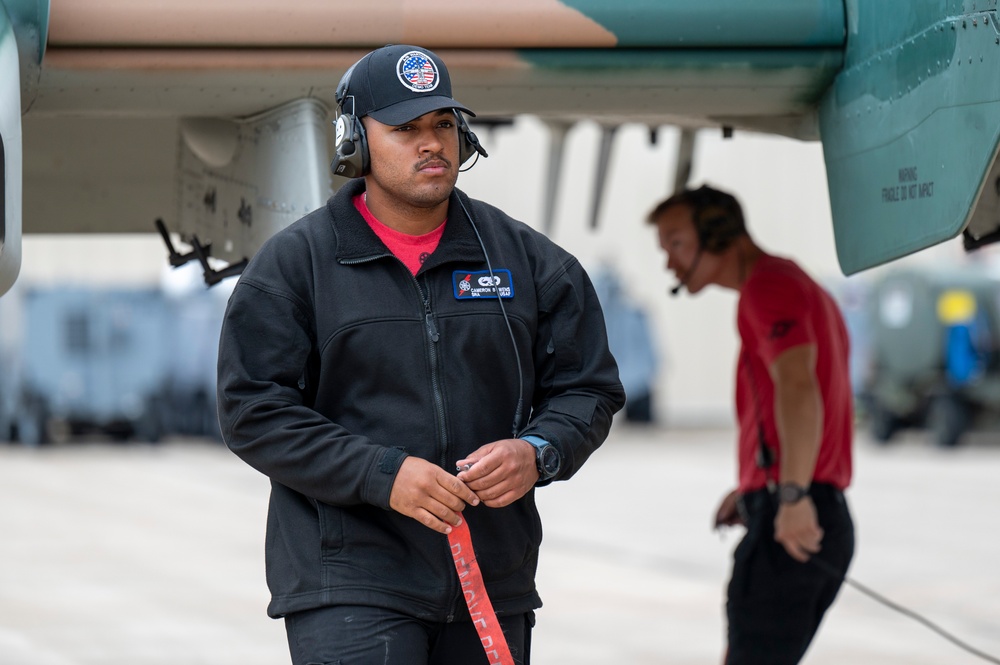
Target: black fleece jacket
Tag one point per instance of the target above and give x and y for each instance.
(336, 362)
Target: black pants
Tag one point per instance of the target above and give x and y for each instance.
(359, 635)
(776, 603)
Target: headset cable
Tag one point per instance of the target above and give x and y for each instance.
(830, 570)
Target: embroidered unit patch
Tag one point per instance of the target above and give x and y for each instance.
(417, 72)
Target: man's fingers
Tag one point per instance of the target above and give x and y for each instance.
(439, 524)
(728, 513)
(477, 471)
(447, 489)
(797, 529)
(498, 496)
(797, 553)
(440, 514)
(801, 548)
(812, 545)
(447, 498)
(480, 477)
(466, 465)
(807, 549)
(726, 516)
(430, 495)
(458, 494)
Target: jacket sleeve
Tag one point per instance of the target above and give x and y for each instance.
(577, 386)
(265, 348)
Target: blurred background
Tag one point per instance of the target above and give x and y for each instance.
(130, 535)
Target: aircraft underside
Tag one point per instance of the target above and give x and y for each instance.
(220, 126)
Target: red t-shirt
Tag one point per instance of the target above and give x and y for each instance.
(781, 307)
(411, 250)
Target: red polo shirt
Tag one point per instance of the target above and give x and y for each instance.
(781, 307)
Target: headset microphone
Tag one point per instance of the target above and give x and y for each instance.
(676, 289)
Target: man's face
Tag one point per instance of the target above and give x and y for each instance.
(415, 164)
(679, 239)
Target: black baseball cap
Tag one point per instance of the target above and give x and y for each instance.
(395, 84)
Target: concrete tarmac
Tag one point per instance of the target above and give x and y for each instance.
(134, 554)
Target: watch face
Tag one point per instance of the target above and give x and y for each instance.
(550, 460)
(791, 493)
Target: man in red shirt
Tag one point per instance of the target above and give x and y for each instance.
(795, 412)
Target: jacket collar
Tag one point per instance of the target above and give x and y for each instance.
(357, 242)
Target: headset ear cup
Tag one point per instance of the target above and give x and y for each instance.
(350, 158)
(717, 228)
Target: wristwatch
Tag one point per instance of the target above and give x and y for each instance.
(548, 460)
(791, 493)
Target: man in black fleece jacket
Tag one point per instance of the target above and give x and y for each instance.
(370, 350)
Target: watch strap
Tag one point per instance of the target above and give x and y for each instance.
(536, 441)
(791, 493)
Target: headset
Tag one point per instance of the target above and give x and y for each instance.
(718, 218)
(351, 158)
(718, 221)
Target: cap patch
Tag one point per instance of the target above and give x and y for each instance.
(480, 284)
(417, 71)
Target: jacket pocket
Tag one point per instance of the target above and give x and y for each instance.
(581, 407)
(331, 530)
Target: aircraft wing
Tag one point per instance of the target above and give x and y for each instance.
(214, 115)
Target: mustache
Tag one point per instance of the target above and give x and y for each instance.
(432, 158)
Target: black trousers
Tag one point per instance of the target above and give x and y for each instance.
(775, 603)
(360, 635)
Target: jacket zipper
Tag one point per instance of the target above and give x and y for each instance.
(430, 320)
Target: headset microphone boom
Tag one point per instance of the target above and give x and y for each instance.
(676, 289)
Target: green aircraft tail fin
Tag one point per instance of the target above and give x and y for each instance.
(911, 128)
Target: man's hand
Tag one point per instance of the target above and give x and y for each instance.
(500, 472)
(728, 513)
(430, 495)
(797, 529)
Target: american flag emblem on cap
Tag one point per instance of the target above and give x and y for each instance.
(417, 72)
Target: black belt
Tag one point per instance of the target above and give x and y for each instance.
(767, 499)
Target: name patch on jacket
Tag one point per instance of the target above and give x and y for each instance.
(480, 284)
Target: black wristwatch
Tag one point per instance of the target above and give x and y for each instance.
(548, 460)
(791, 493)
